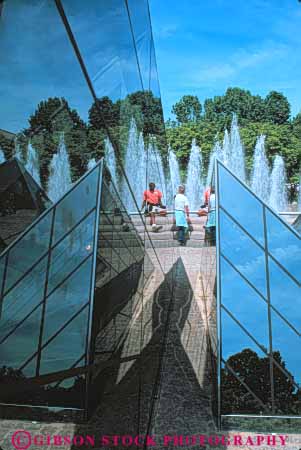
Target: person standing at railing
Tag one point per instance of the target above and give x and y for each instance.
(181, 214)
(152, 202)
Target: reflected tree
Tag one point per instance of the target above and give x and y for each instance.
(254, 372)
(29, 391)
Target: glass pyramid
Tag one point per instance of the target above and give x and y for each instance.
(259, 304)
(57, 297)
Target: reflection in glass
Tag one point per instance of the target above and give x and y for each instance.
(67, 300)
(23, 298)
(142, 35)
(243, 252)
(110, 59)
(279, 262)
(284, 245)
(71, 251)
(121, 65)
(45, 63)
(287, 395)
(285, 295)
(56, 356)
(22, 344)
(286, 342)
(84, 197)
(236, 200)
(250, 364)
(239, 298)
(27, 251)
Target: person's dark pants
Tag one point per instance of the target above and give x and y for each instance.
(181, 234)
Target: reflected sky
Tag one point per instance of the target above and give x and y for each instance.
(235, 197)
(243, 252)
(239, 298)
(34, 69)
(248, 258)
(284, 245)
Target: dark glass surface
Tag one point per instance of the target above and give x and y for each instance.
(71, 251)
(67, 300)
(27, 251)
(2, 268)
(243, 252)
(22, 345)
(56, 356)
(23, 299)
(84, 196)
(243, 206)
(286, 394)
(120, 62)
(284, 245)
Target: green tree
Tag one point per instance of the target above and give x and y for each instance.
(47, 114)
(180, 138)
(187, 109)
(296, 123)
(103, 113)
(7, 145)
(52, 117)
(277, 108)
(247, 107)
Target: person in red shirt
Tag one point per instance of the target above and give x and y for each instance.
(152, 200)
(207, 196)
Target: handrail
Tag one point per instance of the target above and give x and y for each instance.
(171, 211)
(167, 212)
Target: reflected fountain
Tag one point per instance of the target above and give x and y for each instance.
(194, 185)
(91, 163)
(2, 157)
(260, 178)
(60, 172)
(32, 163)
(111, 160)
(278, 197)
(17, 151)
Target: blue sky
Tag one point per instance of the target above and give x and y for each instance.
(205, 46)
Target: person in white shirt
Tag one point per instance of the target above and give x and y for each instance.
(181, 213)
(211, 209)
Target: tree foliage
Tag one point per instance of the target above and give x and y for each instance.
(277, 108)
(256, 115)
(187, 109)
